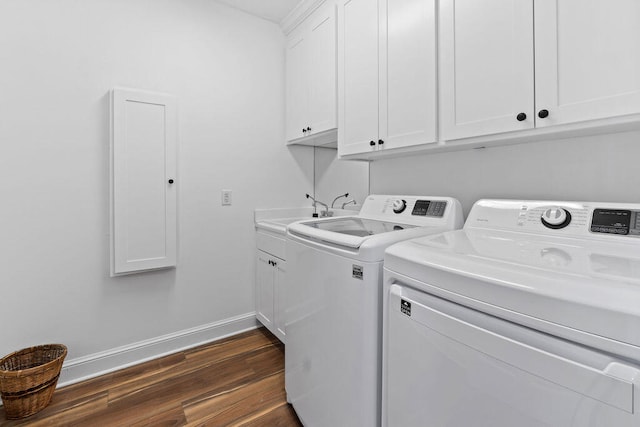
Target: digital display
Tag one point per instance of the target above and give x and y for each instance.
(429, 208)
(613, 221)
(421, 207)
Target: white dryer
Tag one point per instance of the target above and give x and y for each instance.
(333, 354)
(529, 316)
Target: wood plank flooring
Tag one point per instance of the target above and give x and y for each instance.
(238, 381)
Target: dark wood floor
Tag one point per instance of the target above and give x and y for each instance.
(238, 381)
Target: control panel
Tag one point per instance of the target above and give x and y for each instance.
(416, 207)
(413, 210)
(562, 218)
(432, 208)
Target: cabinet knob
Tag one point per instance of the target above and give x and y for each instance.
(521, 117)
(304, 130)
(372, 143)
(380, 142)
(543, 114)
(308, 129)
(170, 181)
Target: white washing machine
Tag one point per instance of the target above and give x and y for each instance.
(333, 354)
(528, 316)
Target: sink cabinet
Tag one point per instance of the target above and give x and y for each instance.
(270, 282)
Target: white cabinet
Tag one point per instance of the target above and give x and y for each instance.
(143, 181)
(270, 284)
(587, 56)
(486, 66)
(387, 93)
(270, 274)
(311, 75)
(506, 65)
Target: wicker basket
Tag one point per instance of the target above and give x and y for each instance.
(28, 378)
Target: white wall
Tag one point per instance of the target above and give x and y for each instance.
(334, 177)
(59, 60)
(596, 168)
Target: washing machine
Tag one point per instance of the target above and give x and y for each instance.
(528, 316)
(333, 321)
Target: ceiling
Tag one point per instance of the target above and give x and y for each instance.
(272, 10)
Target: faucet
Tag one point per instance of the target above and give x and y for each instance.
(317, 202)
(334, 200)
(352, 201)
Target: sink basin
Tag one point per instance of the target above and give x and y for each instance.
(279, 225)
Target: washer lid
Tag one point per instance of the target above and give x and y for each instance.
(587, 285)
(345, 231)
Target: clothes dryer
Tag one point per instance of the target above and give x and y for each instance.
(528, 316)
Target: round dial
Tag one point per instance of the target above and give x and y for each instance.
(399, 206)
(556, 218)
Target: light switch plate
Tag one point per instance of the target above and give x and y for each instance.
(226, 197)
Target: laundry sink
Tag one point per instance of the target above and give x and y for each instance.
(279, 224)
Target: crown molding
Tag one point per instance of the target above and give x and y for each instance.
(299, 14)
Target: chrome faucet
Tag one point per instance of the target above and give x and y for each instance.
(350, 202)
(326, 211)
(334, 200)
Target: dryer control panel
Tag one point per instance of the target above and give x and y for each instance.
(559, 218)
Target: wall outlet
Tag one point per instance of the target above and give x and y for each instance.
(226, 197)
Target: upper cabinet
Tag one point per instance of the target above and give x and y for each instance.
(486, 67)
(311, 78)
(587, 56)
(509, 65)
(387, 88)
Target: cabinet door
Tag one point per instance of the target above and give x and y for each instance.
(587, 59)
(265, 282)
(280, 299)
(357, 76)
(143, 188)
(322, 69)
(486, 66)
(408, 93)
(297, 84)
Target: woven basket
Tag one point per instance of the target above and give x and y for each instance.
(28, 378)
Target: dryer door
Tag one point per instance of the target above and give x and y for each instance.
(448, 365)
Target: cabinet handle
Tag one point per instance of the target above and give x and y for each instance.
(274, 263)
(304, 130)
(170, 181)
(372, 143)
(380, 142)
(308, 129)
(543, 114)
(521, 117)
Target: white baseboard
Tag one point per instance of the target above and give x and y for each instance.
(93, 365)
